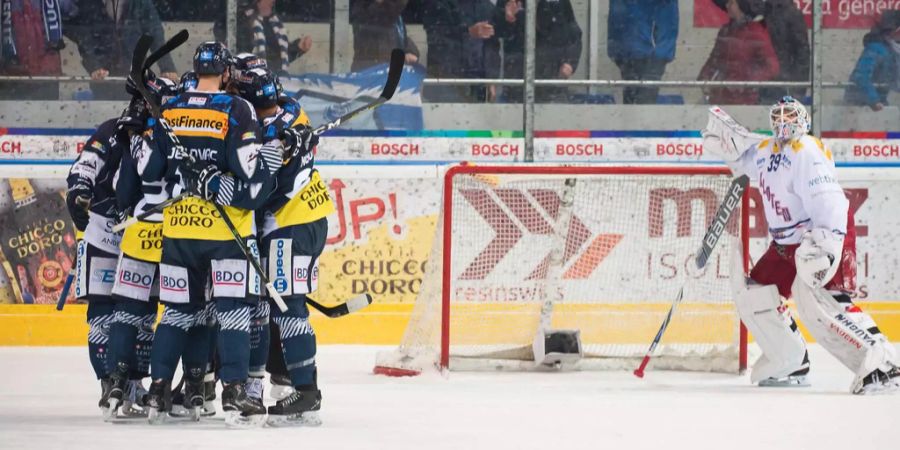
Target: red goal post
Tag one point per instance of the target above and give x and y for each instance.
(602, 242)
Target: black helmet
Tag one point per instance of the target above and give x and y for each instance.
(257, 86)
(157, 87)
(247, 61)
(212, 58)
(189, 80)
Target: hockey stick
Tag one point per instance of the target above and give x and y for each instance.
(710, 239)
(61, 303)
(354, 304)
(395, 70)
(180, 38)
(156, 209)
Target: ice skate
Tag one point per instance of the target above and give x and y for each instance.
(301, 408)
(105, 387)
(280, 387)
(240, 410)
(254, 388)
(134, 404)
(159, 401)
(878, 382)
(797, 378)
(193, 399)
(118, 382)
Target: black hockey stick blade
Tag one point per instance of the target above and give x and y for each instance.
(354, 304)
(140, 55)
(180, 38)
(720, 221)
(395, 71)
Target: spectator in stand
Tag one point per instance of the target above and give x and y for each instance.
(743, 52)
(378, 28)
(641, 41)
(787, 31)
(461, 44)
(557, 51)
(31, 37)
(878, 64)
(261, 32)
(114, 27)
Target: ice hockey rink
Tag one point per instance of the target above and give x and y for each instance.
(48, 401)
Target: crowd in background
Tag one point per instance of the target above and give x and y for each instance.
(763, 40)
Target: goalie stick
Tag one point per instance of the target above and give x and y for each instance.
(710, 239)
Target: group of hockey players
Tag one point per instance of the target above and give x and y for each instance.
(242, 149)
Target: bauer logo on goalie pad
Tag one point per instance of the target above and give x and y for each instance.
(280, 265)
(306, 274)
(229, 278)
(173, 284)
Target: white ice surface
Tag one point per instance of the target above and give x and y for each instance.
(48, 401)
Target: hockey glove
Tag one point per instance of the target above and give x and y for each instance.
(819, 256)
(78, 201)
(134, 117)
(298, 142)
(201, 179)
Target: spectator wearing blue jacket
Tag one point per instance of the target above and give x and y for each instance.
(641, 41)
(878, 64)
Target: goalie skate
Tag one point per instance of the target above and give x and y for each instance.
(878, 382)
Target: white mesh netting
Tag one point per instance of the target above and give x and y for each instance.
(610, 252)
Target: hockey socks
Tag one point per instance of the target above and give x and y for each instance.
(178, 324)
(233, 340)
(259, 339)
(298, 342)
(131, 337)
(99, 318)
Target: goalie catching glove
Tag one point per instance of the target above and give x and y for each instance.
(818, 256)
(725, 137)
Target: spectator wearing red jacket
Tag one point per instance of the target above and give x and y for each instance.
(743, 52)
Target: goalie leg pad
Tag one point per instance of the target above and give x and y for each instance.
(843, 329)
(765, 315)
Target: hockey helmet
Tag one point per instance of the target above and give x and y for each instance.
(257, 86)
(158, 87)
(788, 119)
(189, 81)
(212, 58)
(247, 61)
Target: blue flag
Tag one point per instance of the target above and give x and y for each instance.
(325, 97)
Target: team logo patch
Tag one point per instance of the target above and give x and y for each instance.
(206, 56)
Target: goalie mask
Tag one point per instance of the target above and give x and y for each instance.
(788, 119)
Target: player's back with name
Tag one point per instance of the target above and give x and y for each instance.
(212, 126)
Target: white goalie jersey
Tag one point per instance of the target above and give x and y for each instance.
(798, 186)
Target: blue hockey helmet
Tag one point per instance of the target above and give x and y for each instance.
(257, 86)
(212, 58)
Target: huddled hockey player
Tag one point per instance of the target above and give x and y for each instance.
(221, 161)
(136, 287)
(92, 205)
(812, 256)
(293, 230)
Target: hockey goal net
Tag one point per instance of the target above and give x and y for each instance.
(602, 250)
